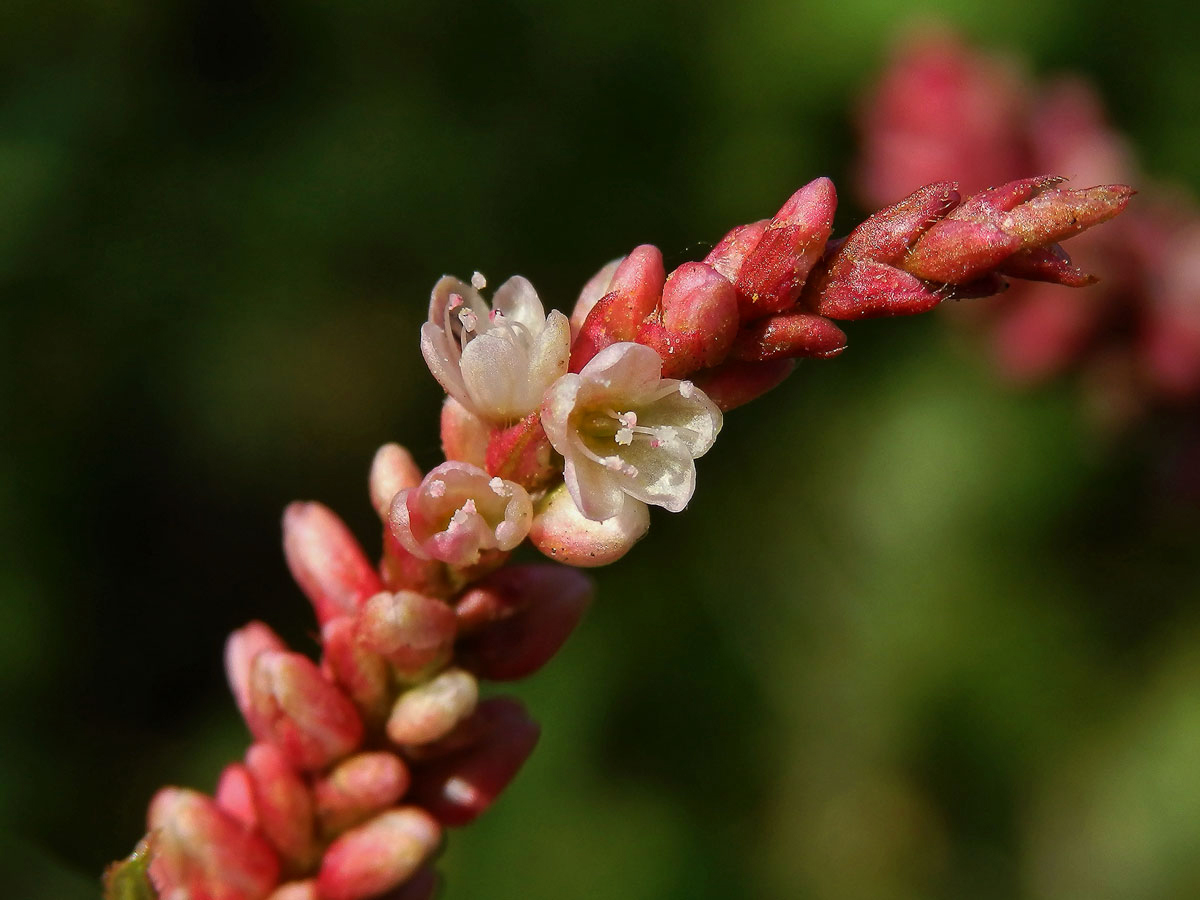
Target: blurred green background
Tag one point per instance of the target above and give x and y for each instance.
(918, 636)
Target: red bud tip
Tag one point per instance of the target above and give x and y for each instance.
(459, 787)
(326, 561)
(295, 708)
(521, 616)
(378, 856)
(633, 295)
(1049, 263)
(773, 273)
(731, 251)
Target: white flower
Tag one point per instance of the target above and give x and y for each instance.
(623, 429)
(457, 512)
(498, 361)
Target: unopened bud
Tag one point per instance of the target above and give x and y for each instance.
(464, 435)
(633, 295)
(730, 253)
(522, 453)
(698, 321)
(357, 788)
(772, 275)
(202, 851)
(597, 286)
(519, 617)
(430, 711)
(241, 648)
(284, 807)
(392, 470)
(326, 561)
(379, 855)
(364, 676)
(564, 534)
(788, 336)
(733, 383)
(295, 708)
(235, 795)
(459, 787)
(409, 630)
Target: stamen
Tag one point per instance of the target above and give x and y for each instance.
(498, 487)
(469, 319)
(686, 390)
(478, 281)
(437, 488)
(456, 301)
(462, 517)
(496, 317)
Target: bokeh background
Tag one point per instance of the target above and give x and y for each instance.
(920, 635)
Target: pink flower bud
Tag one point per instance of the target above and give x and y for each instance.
(460, 511)
(464, 435)
(459, 787)
(430, 711)
(362, 674)
(392, 470)
(1046, 264)
(379, 855)
(522, 453)
(235, 796)
(633, 295)
(788, 335)
(770, 278)
(521, 616)
(296, 890)
(731, 251)
(956, 251)
(734, 383)
(597, 286)
(326, 561)
(241, 648)
(411, 631)
(1057, 214)
(698, 322)
(284, 807)
(866, 289)
(566, 535)
(200, 851)
(295, 708)
(358, 788)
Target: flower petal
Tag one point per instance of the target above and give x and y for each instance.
(519, 302)
(629, 370)
(695, 417)
(548, 357)
(594, 489)
(494, 369)
(664, 478)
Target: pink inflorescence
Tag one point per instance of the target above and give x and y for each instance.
(943, 109)
(563, 432)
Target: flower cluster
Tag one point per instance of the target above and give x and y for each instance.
(943, 108)
(562, 431)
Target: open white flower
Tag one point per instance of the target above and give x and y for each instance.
(496, 361)
(623, 429)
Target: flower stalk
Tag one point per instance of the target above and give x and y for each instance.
(563, 432)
